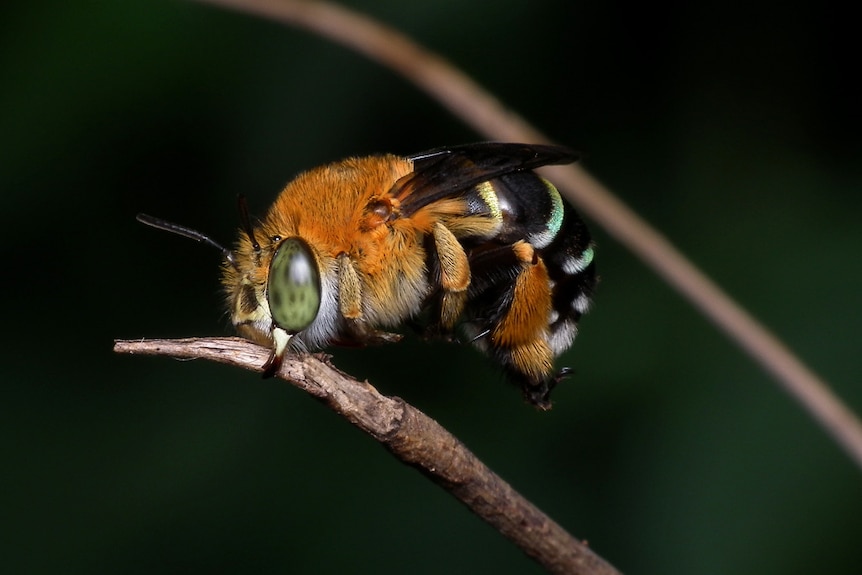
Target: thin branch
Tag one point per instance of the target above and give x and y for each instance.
(412, 437)
(477, 108)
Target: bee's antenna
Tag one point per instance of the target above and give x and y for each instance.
(245, 221)
(188, 233)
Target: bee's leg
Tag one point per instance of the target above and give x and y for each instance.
(359, 335)
(349, 289)
(538, 392)
(454, 275)
(520, 337)
(350, 306)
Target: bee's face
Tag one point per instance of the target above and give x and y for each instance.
(468, 237)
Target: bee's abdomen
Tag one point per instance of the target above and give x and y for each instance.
(569, 259)
(525, 206)
(529, 209)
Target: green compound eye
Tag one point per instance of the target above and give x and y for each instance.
(293, 286)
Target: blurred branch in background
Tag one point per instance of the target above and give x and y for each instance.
(412, 437)
(468, 101)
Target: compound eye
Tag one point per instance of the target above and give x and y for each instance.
(293, 286)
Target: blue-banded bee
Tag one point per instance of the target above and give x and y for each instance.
(463, 241)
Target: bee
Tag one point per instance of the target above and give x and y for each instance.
(461, 242)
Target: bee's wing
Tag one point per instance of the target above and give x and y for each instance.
(447, 172)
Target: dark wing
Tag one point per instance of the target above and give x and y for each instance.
(447, 172)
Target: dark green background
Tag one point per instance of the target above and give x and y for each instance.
(733, 127)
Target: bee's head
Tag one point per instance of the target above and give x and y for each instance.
(293, 279)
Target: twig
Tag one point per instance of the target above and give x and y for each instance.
(412, 437)
(468, 101)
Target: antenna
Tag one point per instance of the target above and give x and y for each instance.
(192, 235)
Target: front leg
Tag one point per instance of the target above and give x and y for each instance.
(358, 332)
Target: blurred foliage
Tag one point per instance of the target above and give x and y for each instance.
(732, 127)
